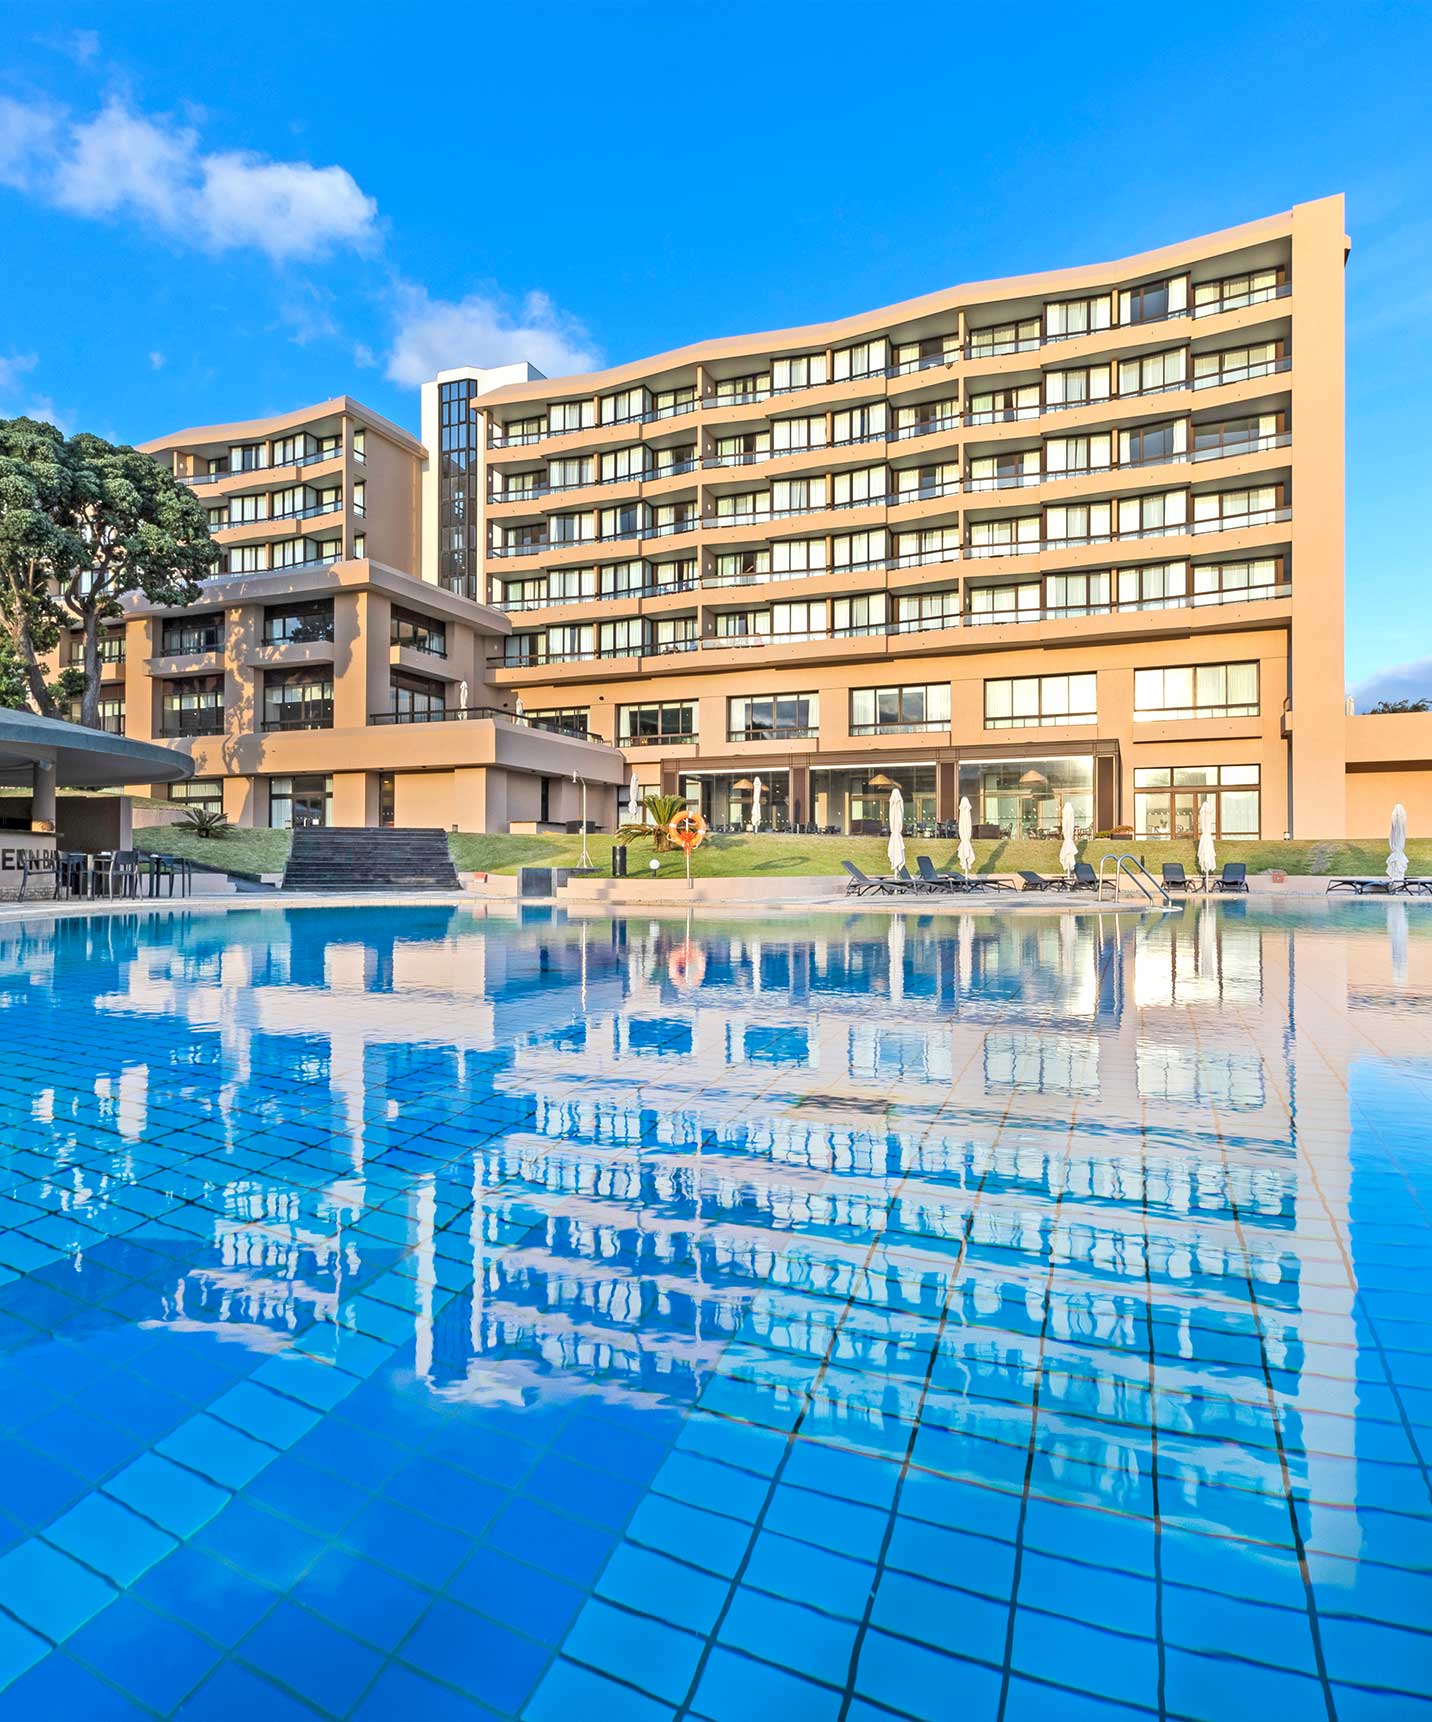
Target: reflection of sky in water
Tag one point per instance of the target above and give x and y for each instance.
(406, 1308)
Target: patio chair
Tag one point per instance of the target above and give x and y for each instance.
(1175, 879)
(862, 885)
(116, 873)
(169, 871)
(36, 866)
(1234, 877)
(1085, 878)
(933, 880)
(1039, 882)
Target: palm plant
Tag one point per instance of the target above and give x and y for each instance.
(204, 823)
(661, 809)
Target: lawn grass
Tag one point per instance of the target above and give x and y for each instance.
(779, 855)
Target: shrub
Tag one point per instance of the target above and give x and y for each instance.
(203, 823)
(662, 809)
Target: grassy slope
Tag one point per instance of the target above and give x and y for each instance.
(237, 851)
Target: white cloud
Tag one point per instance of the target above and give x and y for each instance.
(1397, 682)
(13, 367)
(432, 335)
(156, 361)
(124, 163)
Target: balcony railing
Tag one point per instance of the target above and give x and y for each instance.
(919, 726)
(677, 740)
(775, 732)
(312, 714)
(1237, 301)
(202, 478)
(1179, 714)
(179, 724)
(473, 714)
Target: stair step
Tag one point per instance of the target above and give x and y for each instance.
(381, 859)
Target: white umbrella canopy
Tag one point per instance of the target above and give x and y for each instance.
(1397, 844)
(895, 946)
(756, 805)
(1207, 860)
(965, 854)
(634, 807)
(1068, 854)
(895, 848)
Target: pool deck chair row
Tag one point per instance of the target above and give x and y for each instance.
(1234, 877)
(931, 882)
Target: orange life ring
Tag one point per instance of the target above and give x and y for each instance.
(686, 966)
(687, 829)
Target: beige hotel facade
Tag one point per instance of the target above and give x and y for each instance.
(1066, 538)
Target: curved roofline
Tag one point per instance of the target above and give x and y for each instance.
(1043, 284)
(275, 424)
(84, 758)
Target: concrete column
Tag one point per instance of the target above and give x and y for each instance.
(350, 798)
(242, 802)
(42, 798)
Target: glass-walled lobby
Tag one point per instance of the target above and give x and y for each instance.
(1027, 797)
(855, 800)
(727, 799)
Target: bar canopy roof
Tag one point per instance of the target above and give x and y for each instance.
(82, 758)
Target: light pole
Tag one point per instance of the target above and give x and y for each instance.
(584, 860)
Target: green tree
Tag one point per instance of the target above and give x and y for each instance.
(82, 523)
(1389, 706)
(662, 809)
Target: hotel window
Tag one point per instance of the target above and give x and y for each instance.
(1152, 301)
(193, 706)
(733, 390)
(996, 471)
(1004, 537)
(626, 520)
(743, 505)
(205, 793)
(899, 711)
(915, 612)
(520, 594)
(669, 517)
(629, 463)
(800, 620)
(675, 634)
(360, 444)
(302, 552)
(300, 698)
(325, 498)
(216, 466)
(564, 720)
(858, 550)
(772, 717)
(288, 449)
(862, 614)
(1005, 603)
(523, 649)
(1148, 516)
(568, 473)
(735, 567)
(417, 633)
(572, 528)
(1076, 385)
(285, 504)
(568, 416)
(459, 473)
(248, 457)
(1150, 444)
(1004, 338)
(1233, 291)
(360, 497)
(111, 647)
(797, 495)
(1077, 453)
(930, 544)
(1167, 800)
(753, 446)
(297, 803)
(930, 350)
(1229, 509)
(999, 406)
(360, 545)
(867, 484)
(1039, 701)
(218, 517)
(802, 372)
(1233, 364)
(623, 639)
(1234, 436)
(1066, 318)
(1157, 586)
(570, 642)
(416, 699)
(1227, 582)
(623, 407)
(915, 483)
(678, 459)
(665, 403)
(1077, 594)
(1154, 372)
(621, 579)
(742, 624)
(568, 585)
(1196, 691)
(186, 636)
(243, 509)
(862, 424)
(864, 359)
(922, 419)
(672, 576)
(514, 485)
(797, 555)
(109, 715)
(525, 430)
(298, 624)
(672, 722)
(1076, 523)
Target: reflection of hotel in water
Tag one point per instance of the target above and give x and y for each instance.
(1011, 1140)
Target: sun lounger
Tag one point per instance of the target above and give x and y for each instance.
(862, 885)
(934, 881)
(1175, 879)
(1085, 878)
(1234, 877)
(1374, 885)
(1038, 881)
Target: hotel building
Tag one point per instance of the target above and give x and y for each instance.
(1073, 537)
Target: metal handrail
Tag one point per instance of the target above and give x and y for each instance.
(1129, 866)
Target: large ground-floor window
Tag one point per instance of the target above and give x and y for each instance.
(855, 800)
(727, 799)
(1167, 800)
(297, 802)
(1027, 797)
(206, 793)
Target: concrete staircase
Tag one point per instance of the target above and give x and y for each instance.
(354, 859)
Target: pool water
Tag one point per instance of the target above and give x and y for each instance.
(410, 1315)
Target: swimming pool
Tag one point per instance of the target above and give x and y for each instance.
(1025, 1316)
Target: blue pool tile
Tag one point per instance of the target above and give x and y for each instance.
(267, 1416)
(1113, 1665)
(657, 1585)
(519, 1595)
(234, 1693)
(318, 1500)
(401, 1695)
(497, 1667)
(57, 1689)
(48, 1591)
(222, 1454)
(155, 1660)
(954, 1621)
(327, 1667)
(207, 1593)
(568, 1690)
(455, 1498)
(414, 1546)
(803, 1640)
(362, 1598)
(567, 1547)
(1211, 1688)
(261, 1544)
(925, 1684)
(107, 1536)
(20, 1649)
(653, 1656)
(734, 1688)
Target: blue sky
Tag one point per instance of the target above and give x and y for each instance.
(211, 215)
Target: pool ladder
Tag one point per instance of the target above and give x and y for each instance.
(1128, 866)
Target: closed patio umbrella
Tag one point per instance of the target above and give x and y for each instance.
(895, 946)
(895, 848)
(634, 808)
(1397, 845)
(1068, 854)
(965, 854)
(756, 805)
(1207, 860)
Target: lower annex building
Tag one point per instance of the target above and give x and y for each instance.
(1068, 538)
